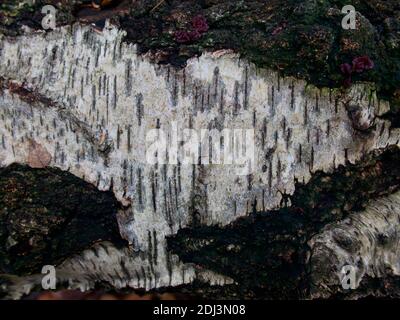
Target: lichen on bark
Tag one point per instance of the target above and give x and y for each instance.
(47, 215)
(82, 99)
(268, 254)
(298, 38)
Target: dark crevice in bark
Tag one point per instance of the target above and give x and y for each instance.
(394, 117)
(267, 252)
(47, 215)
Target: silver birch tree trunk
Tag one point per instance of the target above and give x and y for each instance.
(86, 102)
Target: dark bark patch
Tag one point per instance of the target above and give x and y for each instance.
(47, 215)
(267, 252)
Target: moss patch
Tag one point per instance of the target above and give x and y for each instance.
(266, 252)
(299, 38)
(47, 215)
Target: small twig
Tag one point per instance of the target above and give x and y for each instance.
(157, 5)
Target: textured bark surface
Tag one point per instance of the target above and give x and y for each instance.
(268, 254)
(367, 241)
(83, 102)
(48, 215)
(301, 38)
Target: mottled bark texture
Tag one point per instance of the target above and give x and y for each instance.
(83, 101)
(301, 38)
(273, 254)
(367, 241)
(47, 215)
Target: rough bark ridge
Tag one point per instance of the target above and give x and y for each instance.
(268, 253)
(367, 241)
(47, 215)
(301, 38)
(84, 102)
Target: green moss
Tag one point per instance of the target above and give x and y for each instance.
(266, 252)
(47, 215)
(301, 38)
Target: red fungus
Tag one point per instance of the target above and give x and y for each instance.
(362, 63)
(200, 24)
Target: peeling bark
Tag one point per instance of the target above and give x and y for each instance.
(268, 254)
(368, 241)
(47, 215)
(83, 102)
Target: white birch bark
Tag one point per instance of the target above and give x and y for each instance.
(93, 99)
